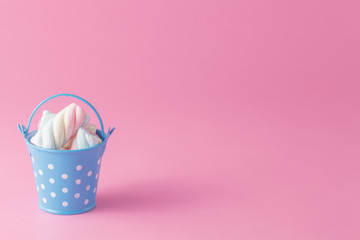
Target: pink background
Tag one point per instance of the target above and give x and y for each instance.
(234, 119)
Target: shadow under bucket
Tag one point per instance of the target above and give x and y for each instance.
(66, 180)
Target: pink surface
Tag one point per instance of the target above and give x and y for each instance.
(234, 119)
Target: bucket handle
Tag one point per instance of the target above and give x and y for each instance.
(24, 130)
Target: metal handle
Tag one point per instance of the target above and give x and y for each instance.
(25, 131)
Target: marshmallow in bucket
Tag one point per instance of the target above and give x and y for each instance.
(70, 129)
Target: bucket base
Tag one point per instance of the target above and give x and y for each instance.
(67, 212)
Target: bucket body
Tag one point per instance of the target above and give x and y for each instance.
(66, 181)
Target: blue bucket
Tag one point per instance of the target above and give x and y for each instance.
(66, 180)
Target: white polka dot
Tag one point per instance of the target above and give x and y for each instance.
(96, 176)
(94, 191)
(87, 187)
(32, 159)
(78, 167)
(78, 181)
(65, 204)
(42, 186)
(41, 172)
(98, 162)
(64, 190)
(86, 201)
(77, 195)
(53, 194)
(37, 188)
(50, 166)
(89, 173)
(44, 200)
(35, 174)
(64, 176)
(51, 180)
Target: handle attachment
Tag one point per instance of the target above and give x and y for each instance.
(24, 130)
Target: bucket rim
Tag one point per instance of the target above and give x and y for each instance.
(28, 135)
